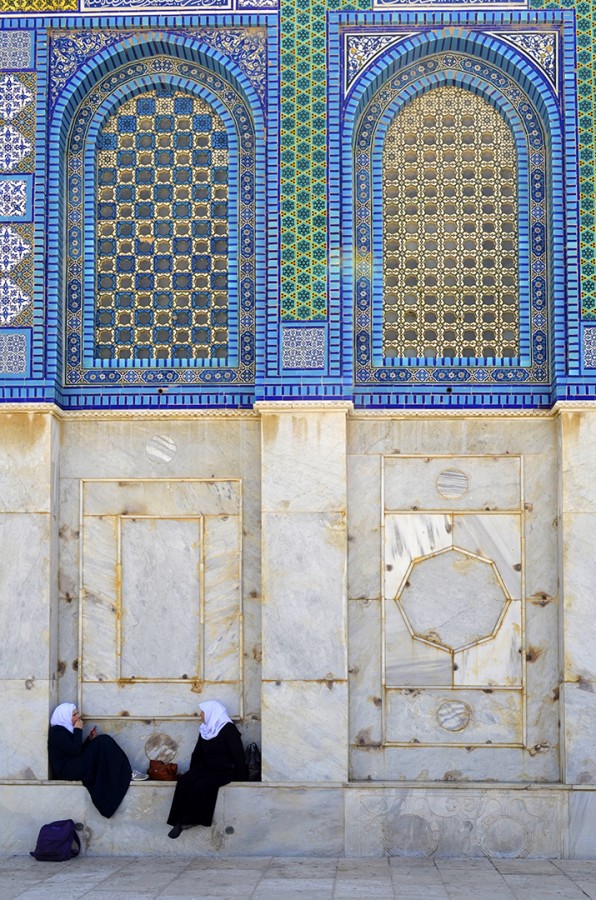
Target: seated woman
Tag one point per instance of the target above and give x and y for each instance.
(98, 762)
(217, 759)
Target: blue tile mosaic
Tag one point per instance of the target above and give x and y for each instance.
(303, 347)
(14, 347)
(16, 198)
(17, 50)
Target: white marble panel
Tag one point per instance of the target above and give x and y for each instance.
(164, 498)
(447, 822)
(448, 717)
(447, 763)
(221, 446)
(579, 718)
(304, 462)
(411, 662)
(453, 599)
(221, 659)
(409, 537)
(496, 537)
(365, 658)
(282, 821)
(364, 527)
(161, 564)
(25, 450)
(148, 700)
(579, 578)
(494, 662)
(305, 731)
(100, 599)
(304, 596)
(411, 482)
(577, 439)
(24, 724)
(25, 595)
(582, 824)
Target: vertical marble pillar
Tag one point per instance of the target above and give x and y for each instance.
(577, 579)
(303, 491)
(28, 589)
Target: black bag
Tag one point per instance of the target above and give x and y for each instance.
(57, 841)
(252, 755)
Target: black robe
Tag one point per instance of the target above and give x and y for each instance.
(100, 764)
(213, 763)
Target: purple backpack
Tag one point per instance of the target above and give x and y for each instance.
(57, 841)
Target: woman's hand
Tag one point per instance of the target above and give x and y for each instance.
(93, 733)
(78, 723)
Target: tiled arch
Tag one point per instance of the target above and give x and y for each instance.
(125, 67)
(489, 60)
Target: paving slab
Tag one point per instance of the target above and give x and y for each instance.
(273, 878)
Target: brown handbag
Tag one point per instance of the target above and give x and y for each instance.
(161, 771)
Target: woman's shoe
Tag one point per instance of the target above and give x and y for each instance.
(138, 776)
(176, 831)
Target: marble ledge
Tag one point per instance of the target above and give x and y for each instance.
(96, 413)
(487, 786)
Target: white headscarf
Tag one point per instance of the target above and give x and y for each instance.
(216, 716)
(62, 715)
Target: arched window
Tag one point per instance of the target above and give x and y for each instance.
(162, 228)
(450, 230)
(450, 166)
(159, 163)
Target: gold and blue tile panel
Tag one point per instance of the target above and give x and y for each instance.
(162, 231)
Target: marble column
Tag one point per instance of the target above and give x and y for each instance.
(28, 588)
(577, 580)
(303, 492)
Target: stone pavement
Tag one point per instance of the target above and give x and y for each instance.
(274, 878)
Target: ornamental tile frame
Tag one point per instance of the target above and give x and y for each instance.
(128, 62)
(413, 55)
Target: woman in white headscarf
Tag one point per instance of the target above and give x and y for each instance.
(98, 762)
(217, 759)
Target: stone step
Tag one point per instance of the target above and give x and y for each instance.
(329, 820)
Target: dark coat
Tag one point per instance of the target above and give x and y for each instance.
(100, 764)
(213, 763)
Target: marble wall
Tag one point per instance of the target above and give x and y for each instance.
(452, 566)
(374, 596)
(159, 597)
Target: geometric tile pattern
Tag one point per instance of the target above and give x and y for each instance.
(586, 89)
(14, 96)
(303, 156)
(162, 231)
(368, 233)
(590, 348)
(16, 261)
(303, 347)
(450, 241)
(16, 50)
(40, 6)
(197, 288)
(12, 301)
(17, 122)
(13, 248)
(13, 353)
(14, 196)
(13, 147)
